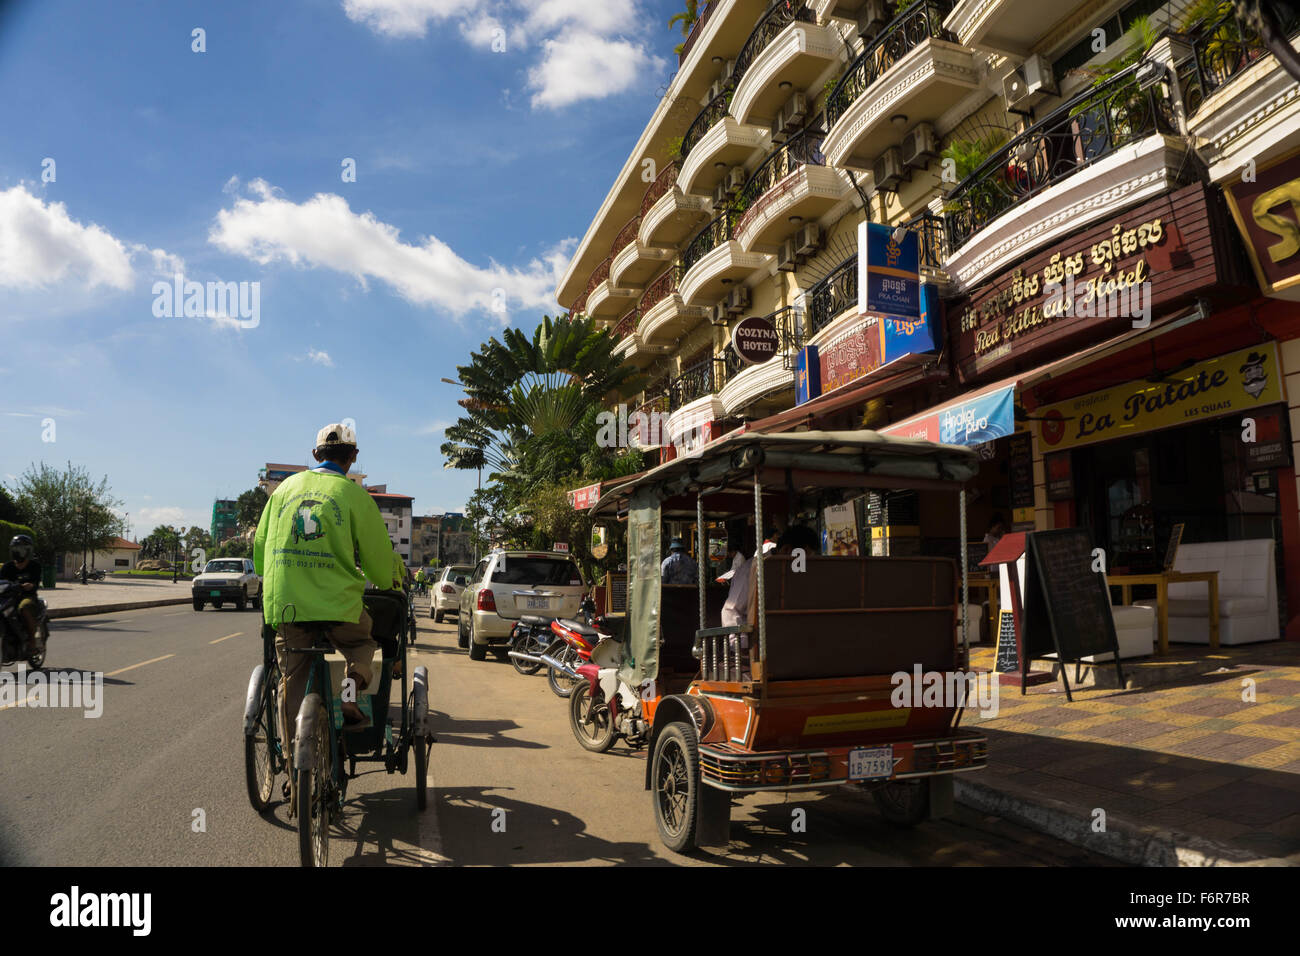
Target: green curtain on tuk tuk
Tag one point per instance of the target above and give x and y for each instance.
(641, 648)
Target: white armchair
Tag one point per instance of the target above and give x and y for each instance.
(1247, 593)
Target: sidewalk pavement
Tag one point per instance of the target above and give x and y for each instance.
(1187, 773)
(70, 599)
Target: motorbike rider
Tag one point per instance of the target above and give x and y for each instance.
(319, 539)
(25, 571)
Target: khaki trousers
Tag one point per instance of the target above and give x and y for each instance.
(353, 641)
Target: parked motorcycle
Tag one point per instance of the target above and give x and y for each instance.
(95, 574)
(13, 631)
(602, 707)
(572, 647)
(529, 638)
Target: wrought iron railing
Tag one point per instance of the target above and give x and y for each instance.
(579, 307)
(626, 236)
(1221, 49)
(835, 293)
(702, 17)
(803, 149)
(598, 275)
(788, 323)
(933, 238)
(1089, 127)
(626, 325)
(713, 111)
(696, 381)
(912, 26)
(780, 14)
(664, 182)
(660, 289)
(718, 231)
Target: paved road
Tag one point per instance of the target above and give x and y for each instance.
(123, 788)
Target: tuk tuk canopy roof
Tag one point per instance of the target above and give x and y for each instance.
(868, 458)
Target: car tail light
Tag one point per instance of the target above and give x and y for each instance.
(487, 601)
(448, 589)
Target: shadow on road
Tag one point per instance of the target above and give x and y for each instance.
(478, 733)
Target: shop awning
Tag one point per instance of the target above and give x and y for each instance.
(987, 412)
(841, 399)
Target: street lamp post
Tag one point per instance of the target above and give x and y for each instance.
(85, 536)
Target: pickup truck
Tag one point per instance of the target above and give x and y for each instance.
(227, 579)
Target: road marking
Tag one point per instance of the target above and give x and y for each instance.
(107, 623)
(141, 664)
(226, 638)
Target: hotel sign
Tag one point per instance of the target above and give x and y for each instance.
(1268, 214)
(1100, 282)
(1225, 385)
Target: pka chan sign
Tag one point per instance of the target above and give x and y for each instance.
(755, 340)
(1164, 252)
(1267, 212)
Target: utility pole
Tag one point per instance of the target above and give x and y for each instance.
(85, 536)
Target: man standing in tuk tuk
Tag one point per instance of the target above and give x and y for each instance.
(320, 537)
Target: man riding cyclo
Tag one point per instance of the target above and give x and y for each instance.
(25, 571)
(320, 538)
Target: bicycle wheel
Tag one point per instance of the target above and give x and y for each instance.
(259, 746)
(314, 789)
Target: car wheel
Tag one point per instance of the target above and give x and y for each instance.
(462, 640)
(198, 604)
(437, 617)
(477, 652)
(241, 602)
(217, 604)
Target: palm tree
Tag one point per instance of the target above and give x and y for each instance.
(688, 18)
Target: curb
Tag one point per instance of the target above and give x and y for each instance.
(1126, 842)
(57, 612)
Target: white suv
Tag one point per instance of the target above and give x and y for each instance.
(509, 584)
(227, 579)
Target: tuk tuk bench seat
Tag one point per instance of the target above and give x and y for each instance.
(841, 616)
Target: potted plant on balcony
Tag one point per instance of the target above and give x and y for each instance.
(980, 201)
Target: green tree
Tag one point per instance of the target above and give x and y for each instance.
(9, 508)
(235, 548)
(248, 507)
(687, 18)
(197, 537)
(67, 510)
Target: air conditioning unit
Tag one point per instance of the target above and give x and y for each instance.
(919, 145)
(738, 301)
(872, 18)
(1028, 85)
(718, 313)
(888, 169)
(720, 195)
(808, 239)
(785, 256)
(728, 70)
(791, 115)
(736, 179)
(717, 89)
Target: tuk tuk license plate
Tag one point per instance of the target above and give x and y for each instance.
(538, 602)
(871, 763)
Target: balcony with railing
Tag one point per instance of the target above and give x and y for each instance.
(634, 263)
(604, 299)
(665, 316)
(1239, 100)
(786, 52)
(695, 382)
(669, 216)
(714, 143)
(1108, 147)
(792, 187)
(913, 67)
(834, 295)
(701, 20)
(713, 261)
(741, 383)
(1008, 26)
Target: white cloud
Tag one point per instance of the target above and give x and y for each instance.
(584, 66)
(41, 245)
(324, 233)
(320, 358)
(151, 517)
(406, 18)
(589, 49)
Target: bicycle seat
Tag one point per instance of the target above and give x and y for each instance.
(534, 620)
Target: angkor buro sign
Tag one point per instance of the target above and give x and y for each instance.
(755, 340)
(1097, 283)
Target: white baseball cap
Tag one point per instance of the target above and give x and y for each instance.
(336, 434)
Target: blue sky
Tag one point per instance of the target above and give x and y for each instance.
(477, 171)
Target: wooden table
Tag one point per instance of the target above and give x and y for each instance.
(991, 585)
(1162, 580)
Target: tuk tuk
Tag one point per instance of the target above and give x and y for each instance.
(799, 695)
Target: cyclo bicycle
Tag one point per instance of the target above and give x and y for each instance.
(324, 758)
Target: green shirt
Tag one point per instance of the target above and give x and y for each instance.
(315, 529)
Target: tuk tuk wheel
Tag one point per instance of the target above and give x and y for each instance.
(590, 720)
(675, 777)
(259, 765)
(904, 803)
(314, 797)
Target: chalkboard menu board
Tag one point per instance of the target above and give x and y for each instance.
(1022, 470)
(1066, 606)
(875, 509)
(1008, 657)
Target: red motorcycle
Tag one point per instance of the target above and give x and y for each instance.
(571, 648)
